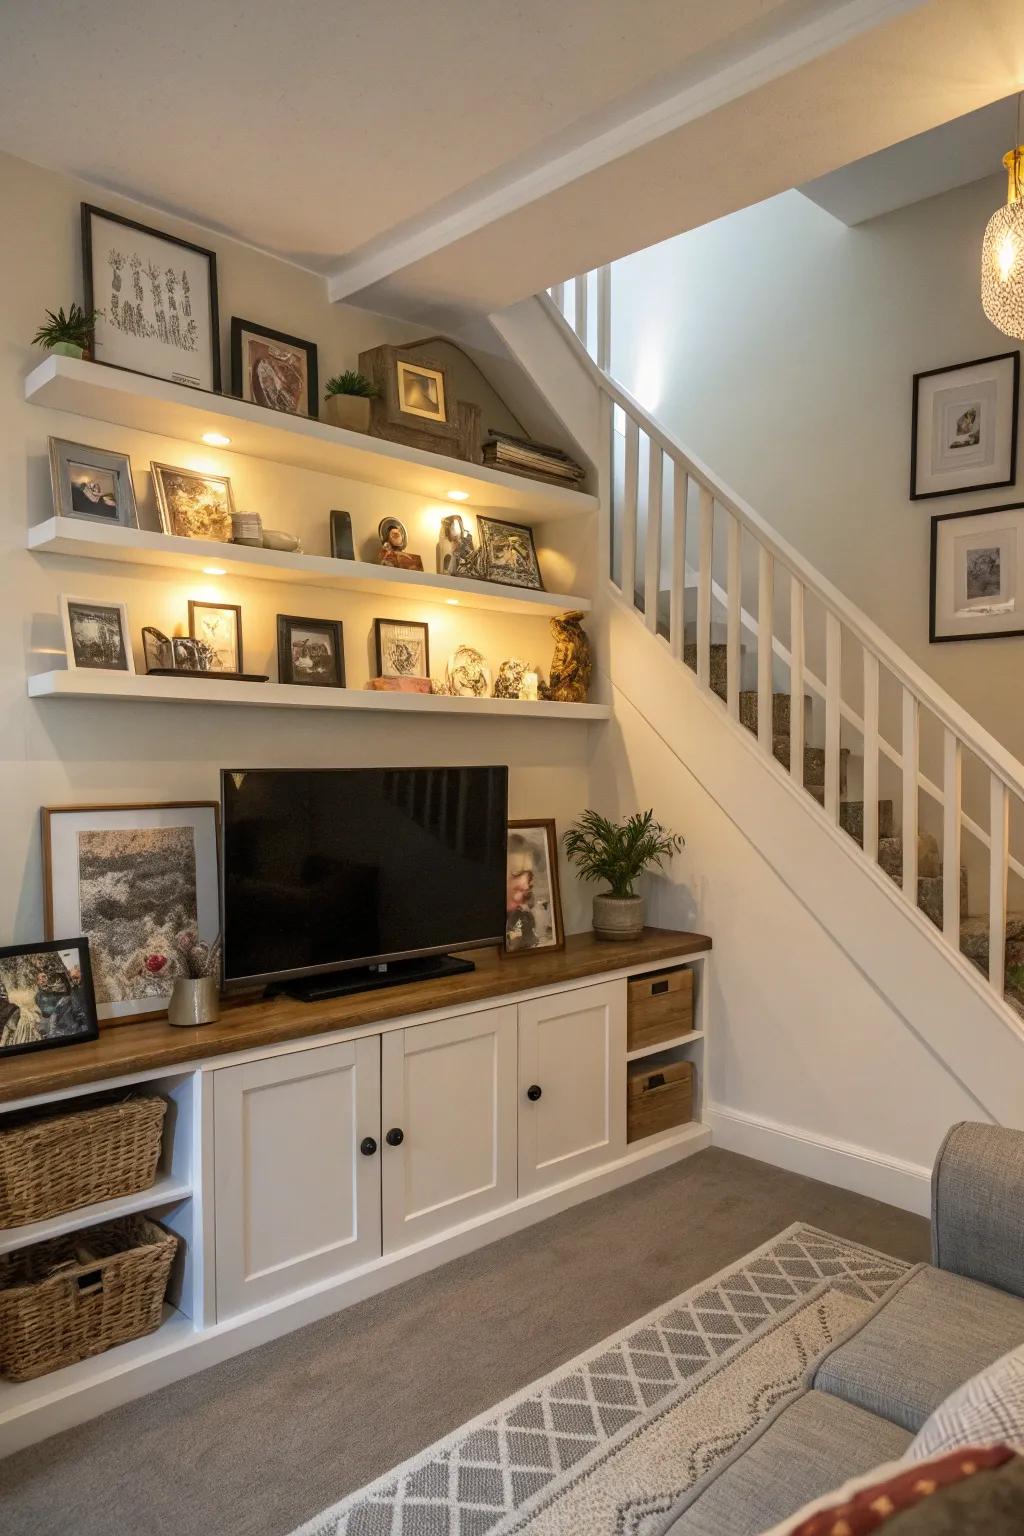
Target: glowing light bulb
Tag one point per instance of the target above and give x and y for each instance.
(216, 439)
(1002, 270)
(1006, 255)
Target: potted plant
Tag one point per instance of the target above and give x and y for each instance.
(617, 853)
(69, 334)
(348, 397)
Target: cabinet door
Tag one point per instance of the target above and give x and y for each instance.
(297, 1201)
(448, 1093)
(572, 1048)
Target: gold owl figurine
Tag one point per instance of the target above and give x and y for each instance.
(572, 663)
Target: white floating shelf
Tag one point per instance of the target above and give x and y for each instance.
(139, 546)
(665, 1045)
(166, 1191)
(88, 684)
(173, 410)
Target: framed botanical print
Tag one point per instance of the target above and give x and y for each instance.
(508, 554)
(273, 369)
(96, 635)
(136, 880)
(192, 505)
(964, 431)
(310, 651)
(533, 904)
(92, 484)
(218, 625)
(156, 298)
(403, 648)
(977, 574)
(46, 996)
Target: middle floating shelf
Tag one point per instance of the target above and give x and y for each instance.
(140, 546)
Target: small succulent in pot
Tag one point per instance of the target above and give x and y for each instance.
(618, 853)
(69, 334)
(348, 396)
(195, 996)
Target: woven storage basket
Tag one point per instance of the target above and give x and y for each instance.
(54, 1163)
(77, 1295)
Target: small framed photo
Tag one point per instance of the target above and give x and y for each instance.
(46, 996)
(92, 484)
(421, 391)
(272, 369)
(310, 651)
(403, 648)
(977, 574)
(96, 635)
(219, 626)
(508, 554)
(157, 300)
(533, 904)
(964, 432)
(194, 506)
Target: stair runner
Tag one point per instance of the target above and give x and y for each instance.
(974, 931)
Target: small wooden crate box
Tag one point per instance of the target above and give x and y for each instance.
(660, 1007)
(658, 1097)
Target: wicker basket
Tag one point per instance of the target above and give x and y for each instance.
(54, 1163)
(75, 1296)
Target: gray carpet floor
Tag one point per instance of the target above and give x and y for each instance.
(263, 1442)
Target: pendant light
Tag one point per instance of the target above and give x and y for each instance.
(1002, 252)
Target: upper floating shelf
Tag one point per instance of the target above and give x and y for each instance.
(172, 410)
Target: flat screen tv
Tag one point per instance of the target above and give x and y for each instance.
(329, 869)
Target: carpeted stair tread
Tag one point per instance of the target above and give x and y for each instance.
(930, 896)
(974, 939)
(780, 711)
(814, 762)
(719, 665)
(851, 819)
(929, 863)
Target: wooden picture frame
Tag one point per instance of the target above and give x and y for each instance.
(322, 672)
(213, 522)
(975, 415)
(388, 648)
(294, 381)
(527, 840)
(195, 610)
(93, 652)
(63, 1025)
(393, 370)
(109, 499)
(976, 585)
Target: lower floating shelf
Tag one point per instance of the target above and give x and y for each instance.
(171, 690)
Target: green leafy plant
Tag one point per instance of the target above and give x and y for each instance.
(619, 852)
(350, 383)
(75, 327)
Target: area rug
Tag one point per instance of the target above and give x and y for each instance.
(609, 1442)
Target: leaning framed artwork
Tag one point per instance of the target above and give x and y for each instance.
(96, 636)
(310, 651)
(508, 554)
(273, 369)
(193, 506)
(156, 298)
(402, 648)
(46, 996)
(92, 484)
(964, 430)
(533, 903)
(136, 880)
(977, 574)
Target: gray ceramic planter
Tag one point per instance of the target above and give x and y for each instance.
(618, 917)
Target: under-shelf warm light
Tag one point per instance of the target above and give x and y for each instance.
(458, 495)
(216, 439)
(452, 602)
(1002, 251)
(214, 570)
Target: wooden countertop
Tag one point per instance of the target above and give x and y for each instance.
(246, 1023)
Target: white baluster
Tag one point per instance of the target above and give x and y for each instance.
(580, 316)
(652, 562)
(734, 598)
(604, 317)
(999, 835)
(677, 610)
(833, 696)
(765, 653)
(630, 471)
(704, 559)
(952, 779)
(796, 680)
(911, 748)
(871, 756)
(558, 297)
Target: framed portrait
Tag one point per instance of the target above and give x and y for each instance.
(46, 996)
(192, 505)
(272, 369)
(977, 574)
(96, 635)
(508, 554)
(135, 880)
(403, 648)
(219, 626)
(156, 298)
(421, 391)
(964, 431)
(533, 904)
(92, 484)
(310, 651)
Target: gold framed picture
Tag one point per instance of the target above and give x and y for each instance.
(421, 391)
(193, 506)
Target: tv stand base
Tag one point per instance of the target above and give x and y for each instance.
(368, 978)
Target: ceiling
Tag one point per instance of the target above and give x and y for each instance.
(438, 160)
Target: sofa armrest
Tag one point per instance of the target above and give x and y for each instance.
(978, 1205)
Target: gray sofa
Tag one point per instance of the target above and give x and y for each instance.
(865, 1401)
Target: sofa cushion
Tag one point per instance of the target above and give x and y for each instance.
(810, 1447)
(934, 1332)
(987, 1410)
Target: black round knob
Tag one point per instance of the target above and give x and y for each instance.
(367, 1146)
(395, 1137)
(533, 1092)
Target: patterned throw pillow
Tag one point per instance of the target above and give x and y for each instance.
(987, 1410)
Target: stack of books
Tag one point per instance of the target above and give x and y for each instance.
(520, 456)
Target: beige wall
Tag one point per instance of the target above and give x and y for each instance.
(54, 753)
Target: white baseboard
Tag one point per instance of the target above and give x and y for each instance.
(897, 1182)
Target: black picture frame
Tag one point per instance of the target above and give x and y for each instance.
(286, 622)
(87, 995)
(985, 485)
(238, 328)
(91, 210)
(342, 544)
(378, 643)
(934, 638)
(236, 609)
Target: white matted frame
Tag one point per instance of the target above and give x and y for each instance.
(95, 655)
(69, 463)
(977, 574)
(964, 431)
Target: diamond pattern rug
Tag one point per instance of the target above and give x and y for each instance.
(610, 1440)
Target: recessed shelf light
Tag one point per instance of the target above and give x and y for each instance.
(214, 570)
(216, 439)
(458, 495)
(452, 602)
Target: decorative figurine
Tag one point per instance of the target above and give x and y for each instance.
(467, 674)
(511, 678)
(571, 665)
(393, 541)
(456, 555)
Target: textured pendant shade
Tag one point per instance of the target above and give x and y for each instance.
(1002, 256)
